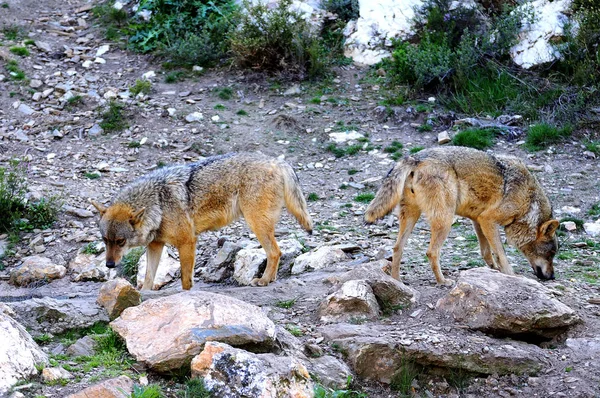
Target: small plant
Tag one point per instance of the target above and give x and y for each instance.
(351, 172)
(592, 146)
(312, 197)
(394, 147)
(286, 303)
(134, 144)
(141, 86)
(149, 391)
(195, 388)
(294, 330)
(113, 118)
(74, 100)
(365, 197)
(540, 136)
(242, 112)
(12, 32)
(4, 5)
(174, 77)
(92, 176)
(130, 262)
(20, 51)
(424, 128)
(219, 107)
(225, 93)
(416, 149)
(474, 138)
(43, 339)
(91, 248)
(403, 378)
(14, 71)
(29, 42)
(323, 392)
(594, 211)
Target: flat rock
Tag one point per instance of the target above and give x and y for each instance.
(331, 372)
(49, 315)
(77, 212)
(118, 387)
(231, 373)
(36, 269)
(585, 348)
(18, 353)
(166, 333)
(376, 352)
(88, 267)
(55, 374)
(505, 305)
(318, 259)
(250, 263)
(85, 346)
(354, 299)
(117, 295)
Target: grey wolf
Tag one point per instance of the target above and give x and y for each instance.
(491, 190)
(172, 205)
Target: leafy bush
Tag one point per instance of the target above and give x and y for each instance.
(542, 135)
(113, 118)
(277, 39)
(474, 138)
(141, 86)
(130, 261)
(346, 10)
(195, 388)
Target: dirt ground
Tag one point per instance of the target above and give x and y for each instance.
(292, 126)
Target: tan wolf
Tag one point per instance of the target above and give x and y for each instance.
(172, 205)
(491, 190)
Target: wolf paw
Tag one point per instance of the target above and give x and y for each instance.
(259, 282)
(446, 282)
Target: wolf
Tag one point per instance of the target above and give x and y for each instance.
(172, 205)
(491, 190)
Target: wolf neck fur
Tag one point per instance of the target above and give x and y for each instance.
(524, 229)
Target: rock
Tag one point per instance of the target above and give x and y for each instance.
(376, 352)
(166, 333)
(36, 269)
(344, 136)
(220, 267)
(505, 305)
(149, 75)
(321, 258)
(88, 267)
(592, 228)
(102, 50)
(230, 373)
(81, 213)
(569, 226)
(34, 83)
(117, 295)
(42, 45)
(444, 138)
(194, 117)
(85, 346)
(389, 291)
(95, 130)
(118, 387)
(55, 374)
(48, 315)
(355, 299)
(26, 109)
(331, 372)
(294, 90)
(168, 270)
(589, 155)
(537, 40)
(585, 348)
(18, 353)
(250, 263)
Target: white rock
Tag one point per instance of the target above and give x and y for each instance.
(443, 138)
(118, 5)
(95, 130)
(341, 137)
(54, 374)
(248, 261)
(355, 299)
(168, 269)
(592, 229)
(102, 50)
(194, 117)
(197, 68)
(99, 60)
(569, 225)
(26, 109)
(149, 75)
(321, 258)
(87, 63)
(34, 83)
(215, 118)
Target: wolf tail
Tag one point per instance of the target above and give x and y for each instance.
(294, 199)
(389, 194)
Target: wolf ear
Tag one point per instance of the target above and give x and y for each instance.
(136, 218)
(101, 209)
(548, 228)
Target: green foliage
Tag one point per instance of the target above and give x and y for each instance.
(365, 197)
(174, 76)
(474, 138)
(339, 152)
(403, 377)
(12, 32)
(294, 330)
(43, 213)
(286, 303)
(113, 118)
(277, 40)
(42, 339)
(21, 51)
(225, 93)
(130, 261)
(592, 146)
(540, 136)
(395, 146)
(351, 172)
(195, 388)
(348, 392)
(92, 176)
(134, 144)
(416, 149)
(14, 70)
(594, 210)
(149, 391)
(312, 197)
(242, 112)
(74, 100)
(91, 248)
(141, 86)
(346, 10)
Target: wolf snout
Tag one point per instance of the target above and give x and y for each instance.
(110, 264)
(543, 276)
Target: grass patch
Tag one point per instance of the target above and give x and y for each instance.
(294, 330)
(365, 197)
(594, 211)
(324, 392)
(225, 93)
(592, 146)
(43, 339)
(312, 197)
(149, 391)
(195, 388)
(242, 112)
(13, 32)
(351, 172)
(220, 107)
(141, 86)
(14, 71)
(415, 149)
(91, 248)
(134, 144)
(113, 118)
(92, 176)
(174, 76)
(20, 51)
(474, 138)
(394, 147)
(425, 128)
(74, 101)
(339, 152)
(403, 378)
(540, 136)
(129, 263)
(286, 303)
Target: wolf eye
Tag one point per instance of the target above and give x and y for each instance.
(120, 242)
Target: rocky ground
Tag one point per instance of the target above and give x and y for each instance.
(64, 147)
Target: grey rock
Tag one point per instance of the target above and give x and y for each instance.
(95, 130)
(85, 346)
(354, 299)
(117, 295)
(36, 269)
(26, 109)
(318, 259)
(77, 212)
(220, 267)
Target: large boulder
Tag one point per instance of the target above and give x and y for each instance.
(318, 259)
(36, 269)
(19, 354)
(230, 373)
(390, 292)
(118, 387)
(505, 305)
(376, 352)
(168, 270)
(48, 315)
(166, 333)
(354, 300)
(117, 295)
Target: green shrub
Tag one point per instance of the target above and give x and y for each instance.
(14, 71)
(21, 51)
(364, 197)
(149, 391)
(416, 149)
(346, 10)
(141, 86)
(129, 262)
(195, 388)
(113, 118)
(474, 138)
(312, 197)
(540, 136)
(277, 40)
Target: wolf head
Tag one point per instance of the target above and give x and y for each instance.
(120, 228)
(541, 251)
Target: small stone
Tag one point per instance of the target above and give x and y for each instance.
(294, 90)
(23, 108)
(42, 45)
(589, 155)
(95, 130)
(34, 83)
(102, 50)
(197, 68)
(149, 75)
(194, 117)
(55, 374)
(77, 212)
(443, 138)
(569, 226)
(119, 387)
(87, 64)
(83, 347)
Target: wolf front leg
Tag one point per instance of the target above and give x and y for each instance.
(490, 231)
(153, 253)
(187, 259)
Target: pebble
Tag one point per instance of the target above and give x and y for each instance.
(443, 138)
(194, 117)
(26, 109)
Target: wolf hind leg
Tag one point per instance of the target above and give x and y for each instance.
(407, 218)
(263, 226)
(440, 228)
(153, 254)
(484, 246)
